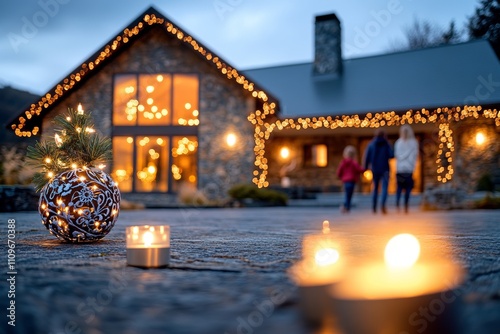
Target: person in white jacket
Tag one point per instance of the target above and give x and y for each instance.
(406, 153)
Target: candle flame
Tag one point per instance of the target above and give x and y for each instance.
(147, 237)
(402, 251)
(326, 256)
(326, 227)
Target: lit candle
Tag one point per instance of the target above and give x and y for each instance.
(320, 268)
(148, 246)
(399, 295)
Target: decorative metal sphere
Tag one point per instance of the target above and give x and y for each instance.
(80, 205)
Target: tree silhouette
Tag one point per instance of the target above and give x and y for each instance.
(485, 23)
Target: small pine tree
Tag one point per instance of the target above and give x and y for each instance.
(75, 145)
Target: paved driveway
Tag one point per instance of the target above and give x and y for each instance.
(228, 271)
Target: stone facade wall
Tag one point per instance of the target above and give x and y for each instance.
(327, 45)
(473, 160)
(224, 106)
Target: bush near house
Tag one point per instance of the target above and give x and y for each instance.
(485, 183)
(251, 195)
(13, 167)
(488, 202)
(16, 193)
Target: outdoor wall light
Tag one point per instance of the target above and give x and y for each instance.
(480, 138)
(231, 139)
(284, 152)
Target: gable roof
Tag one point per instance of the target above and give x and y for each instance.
(24, 124)
(449, 75)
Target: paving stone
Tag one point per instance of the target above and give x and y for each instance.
(225, 263)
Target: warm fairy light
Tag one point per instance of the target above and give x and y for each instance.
(89, 130)
(50, 174)
(48, 160)
(79, 109)
(480, 138)
(58, 140)
(284, 152)
(187, 106)
(231, 139)
(101, 166)
(130, 140)
(74, 166)
(368, 175)
(444, 158)
(402, 251)
(150, 89)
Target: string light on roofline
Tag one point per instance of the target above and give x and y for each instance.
(443, 116)
(149, 19)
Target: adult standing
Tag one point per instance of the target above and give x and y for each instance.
(405, 152)
(377, 157)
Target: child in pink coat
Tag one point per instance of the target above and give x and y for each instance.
(349, 171)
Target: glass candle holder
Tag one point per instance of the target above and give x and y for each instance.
(148, 246)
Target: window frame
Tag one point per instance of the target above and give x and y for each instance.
(307, 155)
(169, 131)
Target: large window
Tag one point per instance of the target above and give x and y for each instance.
(155, 142)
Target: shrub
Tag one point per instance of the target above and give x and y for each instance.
(251, 191)
(488, 202)
(485, 183)
(13, 166)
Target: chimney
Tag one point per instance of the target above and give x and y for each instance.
(327, 50)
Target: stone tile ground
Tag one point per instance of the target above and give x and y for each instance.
(228, 271)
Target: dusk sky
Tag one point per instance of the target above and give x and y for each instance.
(43, 40)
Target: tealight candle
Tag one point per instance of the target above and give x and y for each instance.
(148, 246)
(320, 267)
(400, 295)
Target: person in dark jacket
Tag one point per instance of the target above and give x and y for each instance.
(377, 157)
(349, 171)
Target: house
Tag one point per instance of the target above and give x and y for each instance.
(181, 117)
(449, 94)
(177, 113)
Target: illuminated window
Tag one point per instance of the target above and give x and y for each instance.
(123, 168)
(316, 155)
(184, 153)
(155, 143)
(185, 111)
(124, 100)
(151, 163)
(155, 99)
